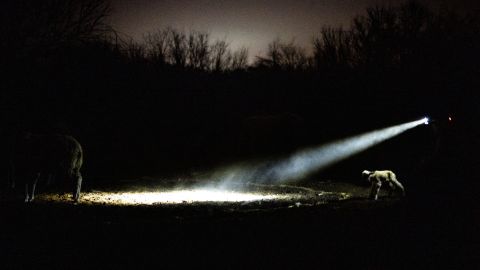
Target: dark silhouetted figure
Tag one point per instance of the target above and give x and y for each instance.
(55, 156)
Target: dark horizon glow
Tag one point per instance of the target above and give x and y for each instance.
(248, 23)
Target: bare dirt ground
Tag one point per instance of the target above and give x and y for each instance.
(322, 225)
(261, 196)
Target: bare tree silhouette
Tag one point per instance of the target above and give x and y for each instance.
(294, 57)
(220, 56)
(239, 59)
(135, 52)
(198, 50)
(274, 53)
(30, 27)
(413, 19)
(178, 48)
(286, 56)
(157, 46)
(386, 37)
(333, 49)
(374, 37)
(194, 50)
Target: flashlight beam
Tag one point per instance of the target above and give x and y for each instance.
(307, 161)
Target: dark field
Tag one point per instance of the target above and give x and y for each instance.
(389, 233)
(179, 103)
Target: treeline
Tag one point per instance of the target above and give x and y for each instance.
(404, 36)
(385, 37)
(194, 51)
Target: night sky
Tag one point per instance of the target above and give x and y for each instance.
(249, 23)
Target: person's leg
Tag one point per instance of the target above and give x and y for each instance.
(375, 189)
(30, 189)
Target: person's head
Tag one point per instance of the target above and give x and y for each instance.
(366, 173)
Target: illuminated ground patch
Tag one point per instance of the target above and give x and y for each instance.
(252, 196)
(170, 197)
(179, 196)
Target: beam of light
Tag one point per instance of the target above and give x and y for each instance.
(177, 196)
(307, 161)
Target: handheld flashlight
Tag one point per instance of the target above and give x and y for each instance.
(426, 120)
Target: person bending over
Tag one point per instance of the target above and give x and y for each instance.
(379, 178)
